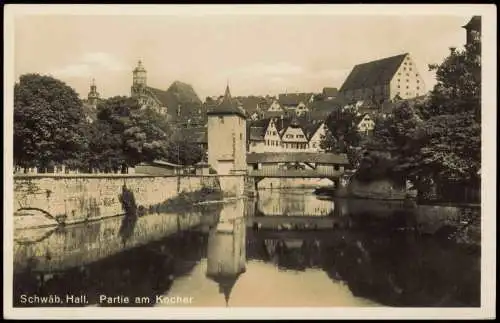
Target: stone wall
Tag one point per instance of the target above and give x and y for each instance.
(95, 196)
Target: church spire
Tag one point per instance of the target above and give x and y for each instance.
(93, 95)
(227, 94)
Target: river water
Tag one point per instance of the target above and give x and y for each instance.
(284, 248)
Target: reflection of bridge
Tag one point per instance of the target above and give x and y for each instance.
(296, 222)
(296, 165)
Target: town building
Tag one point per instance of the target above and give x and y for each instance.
(365, 124)
(295, 103)
(383, 80)
(89, 104)
(227, 132)
(285, 135)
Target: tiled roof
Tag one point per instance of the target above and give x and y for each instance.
(163, 97)
(257, 133)
(330, 91)
(294, 98)
(320, 110)
(474, 23)
(373, 73)
(311, 128)
(227, 106)
(273, 114)
(288, 157)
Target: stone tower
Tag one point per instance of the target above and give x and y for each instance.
(93, 96)
(139, 82)
(227, 136)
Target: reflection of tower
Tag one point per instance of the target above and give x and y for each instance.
(227, 251)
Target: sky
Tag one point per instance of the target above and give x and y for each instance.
(255, 54)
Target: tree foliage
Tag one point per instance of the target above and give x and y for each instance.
(439, 140)
(49, 123)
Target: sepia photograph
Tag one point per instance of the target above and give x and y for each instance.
(249, 161)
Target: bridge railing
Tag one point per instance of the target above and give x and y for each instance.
(304, 173)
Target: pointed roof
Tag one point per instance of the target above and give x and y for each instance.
(474, 23)
(227, 106)
(378, 72)
(226, 284)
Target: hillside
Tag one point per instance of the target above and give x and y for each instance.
(183, 102)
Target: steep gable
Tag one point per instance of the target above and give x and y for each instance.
(374, 73)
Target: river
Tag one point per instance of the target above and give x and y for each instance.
(283, 248)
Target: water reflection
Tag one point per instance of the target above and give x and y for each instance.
(293, 202)
(217, 258)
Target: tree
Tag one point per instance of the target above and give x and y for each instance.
(133, 134)
(453, 119)
(49, 123)
(182, 149)
(342, 135)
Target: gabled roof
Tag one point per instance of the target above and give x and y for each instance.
(257, 133)
(373, 73)
(294, 98)
(227, 106)
(311, 129)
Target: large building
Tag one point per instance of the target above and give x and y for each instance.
(147, 96)
(227, 136)
(384, 80)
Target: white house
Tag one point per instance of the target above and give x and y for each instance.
(316, 136)
(366, 124)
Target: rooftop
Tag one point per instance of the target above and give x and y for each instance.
(288, 157)
(227, 106)
(378, 72)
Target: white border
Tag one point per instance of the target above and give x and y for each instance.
(488, 266)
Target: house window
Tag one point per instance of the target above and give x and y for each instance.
(399, 86)
(418, 88)
(418, 81)
(336, 167)
(404, 68)
(407, 87)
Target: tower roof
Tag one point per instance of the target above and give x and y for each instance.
(474, 23)
(226, 283)
(140, 67)
(227, 106)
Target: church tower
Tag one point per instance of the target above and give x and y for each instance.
(93, 96)
(227, 136)
(139, 82)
